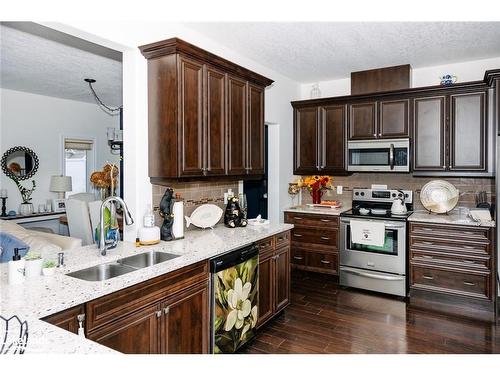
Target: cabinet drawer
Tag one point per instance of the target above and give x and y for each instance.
(453, 260)
(298, 257)
(282, 239)
(452, 232)
(450, 281)
(450, 245)
(316, 236)
(305, 220)
(266, 246)
(322, 260)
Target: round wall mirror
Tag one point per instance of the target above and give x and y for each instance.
(19, 163)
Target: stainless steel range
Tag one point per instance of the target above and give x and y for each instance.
(380, 267)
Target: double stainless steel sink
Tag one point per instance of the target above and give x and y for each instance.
(132, 263)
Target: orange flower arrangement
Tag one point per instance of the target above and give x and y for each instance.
(107, 178)
(316, 182)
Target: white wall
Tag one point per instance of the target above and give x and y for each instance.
(39, 122)
(126, 37)
(426, 76)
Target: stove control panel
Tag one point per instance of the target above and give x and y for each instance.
(381, 195)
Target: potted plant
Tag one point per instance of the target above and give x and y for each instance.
(49, 268)
(33, 265)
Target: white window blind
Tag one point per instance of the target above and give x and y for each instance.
(78, 144)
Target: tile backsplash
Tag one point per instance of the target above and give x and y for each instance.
(468, 187)
(194, 195)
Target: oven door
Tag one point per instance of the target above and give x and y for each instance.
(391, 257)
(386, 156)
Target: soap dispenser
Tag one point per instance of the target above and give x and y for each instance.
(16, 268)
(149, 234)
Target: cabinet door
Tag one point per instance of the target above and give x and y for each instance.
(255, 141)
(67, 319)
(185, 324)
(190, 117)
(468, 132)
(306, 160)
(282, 274)
(393, 119)
(237, 126)
(215, 139)
(135, 334)
(362, 121)
(266, 288)
(332, 139)
(429, 133)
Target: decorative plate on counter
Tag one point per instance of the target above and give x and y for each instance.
(439, 196)
(205, 216)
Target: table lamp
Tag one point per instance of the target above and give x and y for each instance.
(60, 185)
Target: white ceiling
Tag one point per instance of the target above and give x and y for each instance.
(315, 51)
(56, 66)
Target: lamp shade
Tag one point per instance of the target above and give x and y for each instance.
(60, 184)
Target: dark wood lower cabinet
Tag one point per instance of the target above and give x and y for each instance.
(274, 276)
(137, 333)
(67, 319)
(453, 270)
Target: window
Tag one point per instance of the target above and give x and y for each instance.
(79, 163)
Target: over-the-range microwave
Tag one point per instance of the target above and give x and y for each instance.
(380, 155)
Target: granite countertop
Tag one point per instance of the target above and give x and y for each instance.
(45, 295)
(304, 209)
(454, 218)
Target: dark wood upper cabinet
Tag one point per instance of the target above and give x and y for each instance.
(255, 142)
(237, 126)
(215, 132)
(429, 133)
(363, 121)
(191, 129)
(306, 158)
(332, 139)
(205, 114)
(468, 132)
(394, 118)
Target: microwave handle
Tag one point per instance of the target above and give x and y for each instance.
(391, 156)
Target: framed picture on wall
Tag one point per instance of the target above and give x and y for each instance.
(59, 205)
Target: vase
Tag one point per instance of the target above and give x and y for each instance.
(316, 196)
(26, 209)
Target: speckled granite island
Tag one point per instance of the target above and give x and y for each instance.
(45, 295)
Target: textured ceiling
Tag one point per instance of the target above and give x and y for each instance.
(38, 65)
(314, 51)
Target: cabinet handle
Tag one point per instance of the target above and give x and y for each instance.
(325, 261)
(325, 238)
(444, 166)
(468, 261)
(426, 243)
(298, 218)
(80, 318)
(469, 283)
(297, 235)
(380, 134)
(428, 256)
(166, 310)
(325, 220)
(468, 247)
(158, 313)
(428, 277)
(375, 135)
(298, 258)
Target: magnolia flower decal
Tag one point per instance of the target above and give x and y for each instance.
(236, 311)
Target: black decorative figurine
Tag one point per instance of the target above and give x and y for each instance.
(167, 213)
(234, 216)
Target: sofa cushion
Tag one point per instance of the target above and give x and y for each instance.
(36, 242)
(8, 243)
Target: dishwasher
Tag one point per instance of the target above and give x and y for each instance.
(234, 298)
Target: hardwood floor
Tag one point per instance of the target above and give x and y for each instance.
(325, 318)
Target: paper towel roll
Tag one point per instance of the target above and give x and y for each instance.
(178, 226)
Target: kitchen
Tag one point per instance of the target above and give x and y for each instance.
(385, 147)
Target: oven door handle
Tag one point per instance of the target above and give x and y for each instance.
(391, 156)
(372, 276)
(347, 221)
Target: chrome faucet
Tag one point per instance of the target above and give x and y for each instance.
(105, 245)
